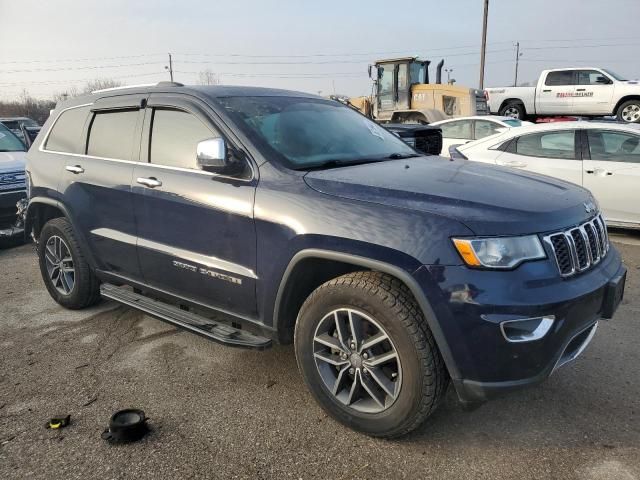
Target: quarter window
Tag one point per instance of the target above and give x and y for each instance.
(614, 146)
(460, 129)
(112, 134)
(66, 131)
(548, 145)
(559, 78)
(175, 136)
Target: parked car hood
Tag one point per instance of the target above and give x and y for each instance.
(490, 200)
(12, 161)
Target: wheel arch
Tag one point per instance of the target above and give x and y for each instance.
(425, 117)
(292, 292)
(626, 98)
(508, 101)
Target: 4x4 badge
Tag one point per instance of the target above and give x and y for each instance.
(589, 207)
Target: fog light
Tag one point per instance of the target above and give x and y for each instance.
(526, 329)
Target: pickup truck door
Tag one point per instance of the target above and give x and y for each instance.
(96, 184)
(612, 173)
(196, 233)
(554, 93)
(593, 94)
(552, 153)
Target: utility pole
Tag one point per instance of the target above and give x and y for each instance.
(483, 51)
(515, 80)
(170, 68)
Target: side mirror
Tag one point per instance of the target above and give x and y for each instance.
(370, 66)
(603, 80)
(211, 155)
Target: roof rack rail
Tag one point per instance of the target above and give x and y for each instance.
(159, 84)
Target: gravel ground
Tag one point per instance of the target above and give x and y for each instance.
(218, 412)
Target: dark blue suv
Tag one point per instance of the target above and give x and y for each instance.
(251, 216)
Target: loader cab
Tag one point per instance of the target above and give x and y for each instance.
(394, 79)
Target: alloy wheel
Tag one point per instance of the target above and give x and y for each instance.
(59, 263)
(512, 112)
(357, 361)
(631, 113)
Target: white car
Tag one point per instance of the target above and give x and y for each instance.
(457, 131)
(584, 91)
(601, 156)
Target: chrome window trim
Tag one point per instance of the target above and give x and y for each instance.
(133, 162)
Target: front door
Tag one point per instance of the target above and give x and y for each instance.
(552, 153)
(613, 173)
(556, 95)
(97, 183)
(594, 91)
(196, 234)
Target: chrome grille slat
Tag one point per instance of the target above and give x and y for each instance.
(579, 248)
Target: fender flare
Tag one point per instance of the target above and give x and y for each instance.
(384, 267)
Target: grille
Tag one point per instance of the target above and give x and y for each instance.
(12, 181)
(581, 247)
(431, 144)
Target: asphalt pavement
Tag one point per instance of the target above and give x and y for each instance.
(218, 412)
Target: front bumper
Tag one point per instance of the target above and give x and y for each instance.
(470, 305)
(10, 224)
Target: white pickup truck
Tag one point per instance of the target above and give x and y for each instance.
(589, 92)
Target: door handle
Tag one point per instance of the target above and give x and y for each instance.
(599, 171)
(150, 182)
(546, 90)
(75, 169)
(580, 89)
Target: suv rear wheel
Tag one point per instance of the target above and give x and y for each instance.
(65, 271)
(368, 356)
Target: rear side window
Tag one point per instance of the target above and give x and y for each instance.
(66, 131)
(485, 128)
(614, 146)
(113, 134)
(548, 145)
(559, 78)
(175, 136)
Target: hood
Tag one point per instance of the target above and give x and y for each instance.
(490, 200)
(12, 161)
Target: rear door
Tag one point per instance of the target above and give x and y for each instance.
(555, 95)
(593, 94)
(196, 230)
(612, 173)
(553, 153)
(96, 184)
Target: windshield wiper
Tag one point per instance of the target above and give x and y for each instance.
(337, 163)
(400, 156)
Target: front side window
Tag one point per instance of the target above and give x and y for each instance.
(591, 77)
(112, 134)
(614, 146)
(548, 145)
(460, 129)
(485, 128)
(303, 132)
(67, 130)
(564, 77)
(175, 136)
(9, 142)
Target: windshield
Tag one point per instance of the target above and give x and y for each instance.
(512, 122)
(620, 78)
(9, 142)
(306, 132)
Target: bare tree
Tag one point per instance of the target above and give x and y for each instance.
(207, 77)
(100, 83)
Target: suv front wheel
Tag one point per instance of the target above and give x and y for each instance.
(65, 270)
(367, 354)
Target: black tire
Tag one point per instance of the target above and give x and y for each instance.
(629, 112)
(514, 109)
(390, 303)
(86, 286)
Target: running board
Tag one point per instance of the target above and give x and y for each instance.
(216, 331)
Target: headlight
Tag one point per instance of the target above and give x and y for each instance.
(501, 252)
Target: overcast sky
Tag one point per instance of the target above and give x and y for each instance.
(318, 46)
